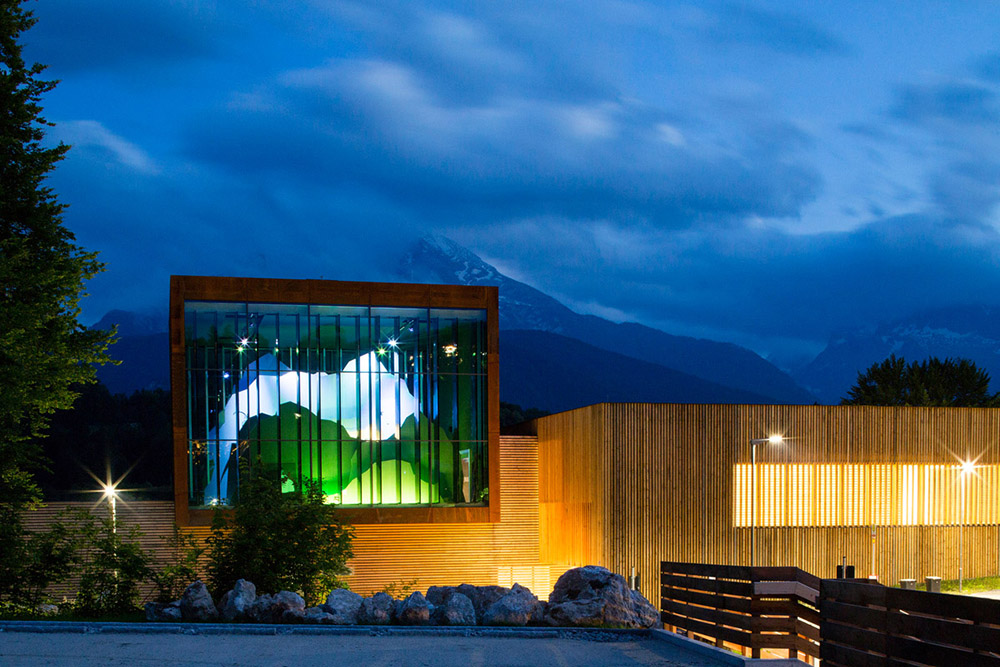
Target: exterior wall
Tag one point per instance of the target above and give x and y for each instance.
(659, 482)
(478, 553)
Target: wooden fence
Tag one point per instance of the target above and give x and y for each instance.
(867, 624)
(751, 609)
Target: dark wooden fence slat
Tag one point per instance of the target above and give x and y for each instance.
(709, 599)
(733, 635)
(943, 604)
(849, 635)
(842, 612)
(927, 653)
(836, 655)
(945, 631)
(721, 586)
(719, 602)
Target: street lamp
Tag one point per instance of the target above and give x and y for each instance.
(966, 468)
(772, 440)
(111, 493)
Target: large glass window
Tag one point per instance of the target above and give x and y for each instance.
(381, 406)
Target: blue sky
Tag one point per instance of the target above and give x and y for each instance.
(764, 173)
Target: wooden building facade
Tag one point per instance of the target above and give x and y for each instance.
(628, 485)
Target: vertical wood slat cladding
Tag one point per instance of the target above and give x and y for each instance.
(666, 471)
(430, 553)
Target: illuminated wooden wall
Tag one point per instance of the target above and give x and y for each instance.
(629, 485)
(479, 553)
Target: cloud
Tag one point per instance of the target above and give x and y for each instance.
(73, 35)
(741, 24)
(381, 123)
(963, 103)
(90, 135)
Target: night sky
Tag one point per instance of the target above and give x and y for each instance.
(762, 173)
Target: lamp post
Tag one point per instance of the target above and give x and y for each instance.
(111, 493)
(966, 468)
(772, 440)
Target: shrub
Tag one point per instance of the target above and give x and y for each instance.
(181, 568)
(32, 561)
(112, 568)
(279, 541)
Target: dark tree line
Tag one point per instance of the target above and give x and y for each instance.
(109, 435)
(933, 382)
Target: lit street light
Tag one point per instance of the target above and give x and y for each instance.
(772, 440)
(111, 493)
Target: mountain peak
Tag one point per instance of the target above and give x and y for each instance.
(438, 258)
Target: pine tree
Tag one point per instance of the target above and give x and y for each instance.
(44, 351)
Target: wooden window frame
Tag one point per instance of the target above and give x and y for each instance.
(334, 292)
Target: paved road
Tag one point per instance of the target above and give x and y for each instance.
(21, 649)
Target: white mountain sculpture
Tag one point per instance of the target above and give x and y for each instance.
(370, 400)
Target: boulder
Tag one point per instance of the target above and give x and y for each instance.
(595, 596)
(293, 615)
(456, 609)
(517, 607)
(235, 604)
(438, 595)
(271, 608)
(317, 615)
(376, 610)
(414, 610)
(164, 611)
(344, 606)
(482, 596)
(196, 604)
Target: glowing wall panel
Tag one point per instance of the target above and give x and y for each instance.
(791, 495)
(380, 406)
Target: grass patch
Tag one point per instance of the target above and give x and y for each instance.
(977, 585)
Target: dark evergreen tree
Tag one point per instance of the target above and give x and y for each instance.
(44, 351)
(956, 383)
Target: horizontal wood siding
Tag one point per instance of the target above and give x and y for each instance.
(448, 554)
(668, 472)
(431, 554)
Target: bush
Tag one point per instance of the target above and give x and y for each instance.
(32, 561)
(112, 568)
(279, 541)
(182, 567)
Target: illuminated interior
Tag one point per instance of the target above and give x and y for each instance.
(380, 406)
(867, 495)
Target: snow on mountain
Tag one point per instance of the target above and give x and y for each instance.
(522, 307)
(969, 332)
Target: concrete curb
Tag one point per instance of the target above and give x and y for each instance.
(91, 627)
(721, 656)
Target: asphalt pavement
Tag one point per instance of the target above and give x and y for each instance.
(100, 647)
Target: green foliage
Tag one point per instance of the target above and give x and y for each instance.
(400, 589)
(933, 382)
(36, 561)
(279, 541)
(181, 568)
(44, 351)
(112, 568)
(511, 414)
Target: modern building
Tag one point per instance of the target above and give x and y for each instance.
(386, 396)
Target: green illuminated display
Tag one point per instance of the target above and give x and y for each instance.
(381, 406)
